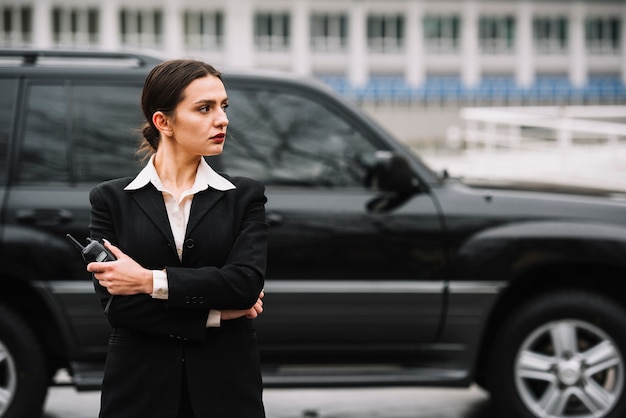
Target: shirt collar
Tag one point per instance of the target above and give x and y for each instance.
(205, 177)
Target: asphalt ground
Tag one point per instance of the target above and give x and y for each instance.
(387, 402)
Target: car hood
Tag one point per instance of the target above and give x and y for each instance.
(546, 187)
(531, 200)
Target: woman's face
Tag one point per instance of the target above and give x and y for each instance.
(200, 121)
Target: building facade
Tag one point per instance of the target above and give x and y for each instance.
(376, 47)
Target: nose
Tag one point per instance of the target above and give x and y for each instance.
(222, 118)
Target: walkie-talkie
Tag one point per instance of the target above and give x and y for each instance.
(93, 251)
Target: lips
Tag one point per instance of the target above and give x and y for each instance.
(218, 139)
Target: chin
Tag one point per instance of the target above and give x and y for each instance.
(214, 150)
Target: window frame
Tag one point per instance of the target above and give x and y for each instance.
(442, 33)
(141, 28)
(16, 25)
(496, 34)
(75, 26)
(603, 35)
(272, 31)
(329, 32)
(204, 29)
(551, 34)
(386, 33)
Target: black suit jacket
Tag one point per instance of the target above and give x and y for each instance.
(155, 343)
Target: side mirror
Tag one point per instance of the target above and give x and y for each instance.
(389, 172)
(392, 175)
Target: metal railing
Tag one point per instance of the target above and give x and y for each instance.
(543, 127)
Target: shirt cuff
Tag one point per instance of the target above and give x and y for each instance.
(160, 289)
(215, 319)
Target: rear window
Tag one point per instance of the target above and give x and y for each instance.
(79, 132)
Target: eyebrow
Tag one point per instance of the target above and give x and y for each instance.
(210, 101)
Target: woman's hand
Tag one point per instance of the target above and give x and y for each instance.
(123, 276)
(251, 313)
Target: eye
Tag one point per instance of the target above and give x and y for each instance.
(204, 109)
(224, 107)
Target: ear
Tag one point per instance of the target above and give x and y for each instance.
(162, 123)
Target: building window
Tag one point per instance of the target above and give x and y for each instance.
(497, 34)
(142, 28)
(329, 33)
(271, 31)
(16, 27)
(74, 27)
(550, 35)
(442, 33)
(603, 35)
(93, 26)
(204, 30)
(385, 33)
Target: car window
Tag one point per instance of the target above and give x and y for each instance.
(79, 133)
(7, 113)
(287, 138)
(107, 123)
(43, 155)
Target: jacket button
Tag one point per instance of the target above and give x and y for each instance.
(187, 299)
(194, 300)
(189, 243)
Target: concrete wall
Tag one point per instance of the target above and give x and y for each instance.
(421, 127)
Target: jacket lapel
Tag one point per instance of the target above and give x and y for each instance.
(151, 202)
(201, 205)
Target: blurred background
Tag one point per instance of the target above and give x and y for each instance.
(493, 89)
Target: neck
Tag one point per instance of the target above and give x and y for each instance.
(177, 173)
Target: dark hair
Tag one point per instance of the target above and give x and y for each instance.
(163, 91)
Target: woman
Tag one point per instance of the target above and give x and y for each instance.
(191, 257)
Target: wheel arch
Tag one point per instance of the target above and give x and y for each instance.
(543, 279)
(30, 302)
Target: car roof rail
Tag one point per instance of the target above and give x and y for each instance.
(75, 58)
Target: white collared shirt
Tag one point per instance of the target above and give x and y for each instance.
(178, 214)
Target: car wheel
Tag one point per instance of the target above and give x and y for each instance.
(560, 356)
(23, 375)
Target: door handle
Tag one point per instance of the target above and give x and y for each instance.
(44, 217)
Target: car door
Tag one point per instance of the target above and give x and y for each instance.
(344, 283)
(73, 134)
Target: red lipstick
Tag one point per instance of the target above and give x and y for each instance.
(218, 139)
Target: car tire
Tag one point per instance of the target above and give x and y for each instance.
(23, 373)
(561, 355)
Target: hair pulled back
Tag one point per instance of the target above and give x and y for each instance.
(163, 90)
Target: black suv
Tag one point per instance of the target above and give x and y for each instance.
(381, 272)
